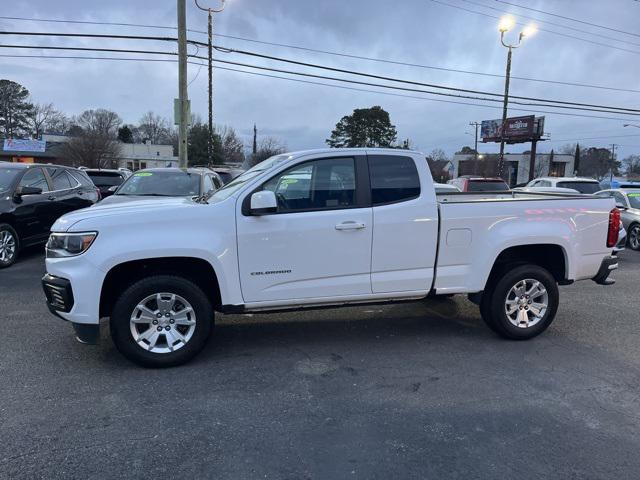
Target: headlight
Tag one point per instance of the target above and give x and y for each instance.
(69, 244)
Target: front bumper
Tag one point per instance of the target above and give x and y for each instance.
(608, 265)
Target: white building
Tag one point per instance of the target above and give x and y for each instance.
(136, 156)
(516, 165)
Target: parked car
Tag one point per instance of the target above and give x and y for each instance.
(471, 183)
(107, 180)
(608, 184)
(582, 185)
(32, 197)
(166, 182)
(445, 188)
(628, 201)
(369, 228)
(227, 173)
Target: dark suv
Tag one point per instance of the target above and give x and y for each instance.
(107, 180)
(32, 197)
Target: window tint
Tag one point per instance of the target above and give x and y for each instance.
(35, 178)
(217, 181)
(82, 178)
(60, 179)
(620, 200)
(106, 179)
(545, 183)
(393, 179)
(316, 185)
(582, 187)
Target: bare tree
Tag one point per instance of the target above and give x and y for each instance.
(154, 128)
(631, 166)
(232, 146)
(44, 117)
(268, 147)
(101, 121)
(91, 149)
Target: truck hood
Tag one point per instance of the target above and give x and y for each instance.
(92, 217)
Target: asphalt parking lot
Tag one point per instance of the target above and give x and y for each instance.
(405, 391)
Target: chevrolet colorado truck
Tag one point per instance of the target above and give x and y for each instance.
(314, 229)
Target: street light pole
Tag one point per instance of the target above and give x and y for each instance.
(506, 24)
(210, 12)
(475, 148)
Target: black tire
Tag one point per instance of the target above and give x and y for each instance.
(133, 295)
(492, 306)
(7, 231)
(634, 237)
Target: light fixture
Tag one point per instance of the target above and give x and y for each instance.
(506, 23)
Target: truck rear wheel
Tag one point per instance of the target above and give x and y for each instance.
(521, 303)
(161, 321)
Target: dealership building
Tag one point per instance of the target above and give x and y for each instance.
(516, 169)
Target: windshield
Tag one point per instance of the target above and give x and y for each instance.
(105, 179)
(232, 187)
(169, 184)
(582, 187)
(487, 186)
(7, 176)
(634, 199)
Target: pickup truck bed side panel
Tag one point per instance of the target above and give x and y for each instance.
(473, 234)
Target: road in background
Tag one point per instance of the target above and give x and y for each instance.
(403, 391)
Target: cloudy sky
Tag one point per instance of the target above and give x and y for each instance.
(433, 33)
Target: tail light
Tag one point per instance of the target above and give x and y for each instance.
(614, 228)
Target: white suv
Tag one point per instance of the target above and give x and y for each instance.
(580, 184)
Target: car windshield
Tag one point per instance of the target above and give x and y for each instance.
(634, 199)
(582, 187)
(232, 187)
(105, 179)
(7, 176)
(487, 186)
(165, 184)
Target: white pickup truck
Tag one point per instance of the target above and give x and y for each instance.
(314, 229)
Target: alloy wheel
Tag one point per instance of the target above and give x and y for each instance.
(526, 303)
(162, 323)
(7, 246)
(634, 237)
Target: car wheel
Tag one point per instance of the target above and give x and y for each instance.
(161, 321)
(9, 245)
(634, 237)
(522, 303)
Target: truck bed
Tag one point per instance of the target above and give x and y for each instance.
(471, 197)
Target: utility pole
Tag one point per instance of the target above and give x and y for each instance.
(255, 140)
(613, 159)
(210, 12)
(475, 148)
(183, 99)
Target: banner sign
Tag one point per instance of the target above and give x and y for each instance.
(516, 129)
(24, 145)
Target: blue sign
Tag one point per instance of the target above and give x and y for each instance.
(24, 145)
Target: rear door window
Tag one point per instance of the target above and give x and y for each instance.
(60, 179)
(393, 179)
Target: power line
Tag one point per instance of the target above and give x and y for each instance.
(328, 52)
(545, 22)
(539, 29)
(592, 107)
(569, 18)
(325, 84)
(566, 105)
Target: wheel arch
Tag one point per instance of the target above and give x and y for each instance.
(121, 276)
(552, 257)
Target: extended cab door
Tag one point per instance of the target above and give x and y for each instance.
(318, 243)
(405, 224)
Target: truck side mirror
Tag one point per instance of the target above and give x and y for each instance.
(263, 202)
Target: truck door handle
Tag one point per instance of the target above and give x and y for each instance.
(350, 225)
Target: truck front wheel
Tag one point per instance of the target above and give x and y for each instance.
(161, 321)
(521, 303)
